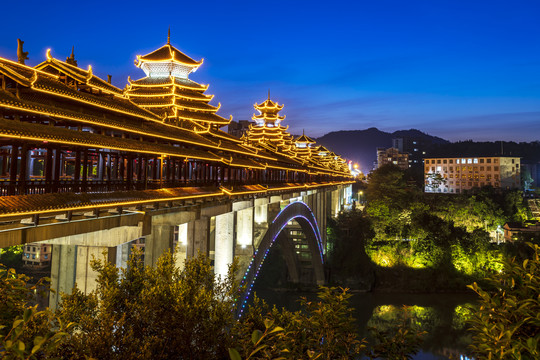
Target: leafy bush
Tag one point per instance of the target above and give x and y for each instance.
(506, 325)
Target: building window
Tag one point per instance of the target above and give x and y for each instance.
(46, 256)
(495, 168)
(438, 168)
(481, 161)
(469, 161)
(513, 161)
(457, 161)
(488, 161)
(450, 161)
(489, 168)
(475, 161)
(444, 161)
(33, 256)
(439, 161)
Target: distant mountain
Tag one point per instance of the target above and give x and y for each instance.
(361, 145)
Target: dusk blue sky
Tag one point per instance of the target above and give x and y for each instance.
(455, 69)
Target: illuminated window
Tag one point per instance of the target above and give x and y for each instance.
(438, 168)
(457, 161)
(475, 161)
(463, 161)
(469, 161)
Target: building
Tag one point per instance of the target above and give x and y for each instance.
(36, 255)
(415, 147)
(392, 156)
(517, 231)
(454, 175)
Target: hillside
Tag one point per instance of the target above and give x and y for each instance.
(361, 145)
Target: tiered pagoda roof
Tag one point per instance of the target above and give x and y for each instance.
(168, 92)
(303, 146)
(57, 103)
(267, 130)
(267, 133)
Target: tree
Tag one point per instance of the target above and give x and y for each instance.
(506, 324)
(156, 312)
(25, 332)
(321, 330)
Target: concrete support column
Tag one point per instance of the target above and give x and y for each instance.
(85, 277)
(157, 243)
(63, 265)
(244, 227)
(182, 245)
(261, 210)
(71, 264)
(224, 244)
(123, 251)
(200, 229)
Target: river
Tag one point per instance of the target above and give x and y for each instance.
(440, 315)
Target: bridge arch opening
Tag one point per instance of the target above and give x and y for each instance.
(300, 213)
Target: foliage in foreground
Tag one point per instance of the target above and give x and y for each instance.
(25, 332)
(506, 324)
(147, 312)
(162, 312)
(320, 330)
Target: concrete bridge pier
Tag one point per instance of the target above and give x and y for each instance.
(72, 255)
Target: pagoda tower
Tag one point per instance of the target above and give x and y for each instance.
(267, 128)
(303, 146)
(168, 92)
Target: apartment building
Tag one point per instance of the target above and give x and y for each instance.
(392, 156)
(454, 175)
(37, 255)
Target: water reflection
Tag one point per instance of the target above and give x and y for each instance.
(442, 316)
